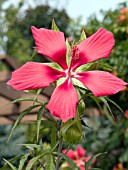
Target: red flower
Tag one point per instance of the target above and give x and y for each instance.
(78, 157)
(126, 114)
(123, 10)
(64, 99)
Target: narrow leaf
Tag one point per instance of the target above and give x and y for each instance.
(65, 157)
(111, 101)
(107, 105)
(30, 146)
(34, 54)
(39, 117)
(96, 169)
(35, 159)
(53, 135)
(20, 117)
(22, 161)
(89, 163)
(24, 99)
(11, 165)
(11, 160)
(50, 163)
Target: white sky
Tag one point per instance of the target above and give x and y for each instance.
(77, 8)
(87, 7)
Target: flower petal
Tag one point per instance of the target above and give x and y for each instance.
(64, 101)
(51, 44)
(70, 153)
(98, 46)
(101, 83)
(34, 76)
(80, 151)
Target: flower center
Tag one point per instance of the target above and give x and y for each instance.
(70, 73)
(74, 52)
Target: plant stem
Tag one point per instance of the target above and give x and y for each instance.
(59, 157)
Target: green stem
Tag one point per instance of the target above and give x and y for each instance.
(59, 157)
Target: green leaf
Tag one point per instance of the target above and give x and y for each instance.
(25, 99)
(96, 169)
(11, 160)
(20, 117)
(82, 37)
(53, 135)
(54, 27)
(109, 116)
(65, 157)
(22, 161)
(30, 146)
(34, 54)
(50, 163)
(39, 117)
(89, 163)
(97, 100)
(35, 159)
(111, 101)
(107, 105)
(11, 165)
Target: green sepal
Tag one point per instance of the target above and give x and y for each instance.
(87, 67)
(55, 66)
(71, 131)
(82, 37)
(78, 83)
(54, 26)
(60, 81)
(68, 57)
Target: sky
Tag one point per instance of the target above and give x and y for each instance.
(85, 8)
(77, 8)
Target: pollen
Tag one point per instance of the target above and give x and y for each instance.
(74, 52)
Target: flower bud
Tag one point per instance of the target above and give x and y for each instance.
(71, 132)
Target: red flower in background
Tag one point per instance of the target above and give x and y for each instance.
(78, 157)
(64, 99)
(123, 15)
(126, 113)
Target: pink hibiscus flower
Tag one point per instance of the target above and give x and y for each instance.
(78, 157)
(64, 99)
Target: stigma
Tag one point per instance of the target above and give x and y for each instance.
(74, 52)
